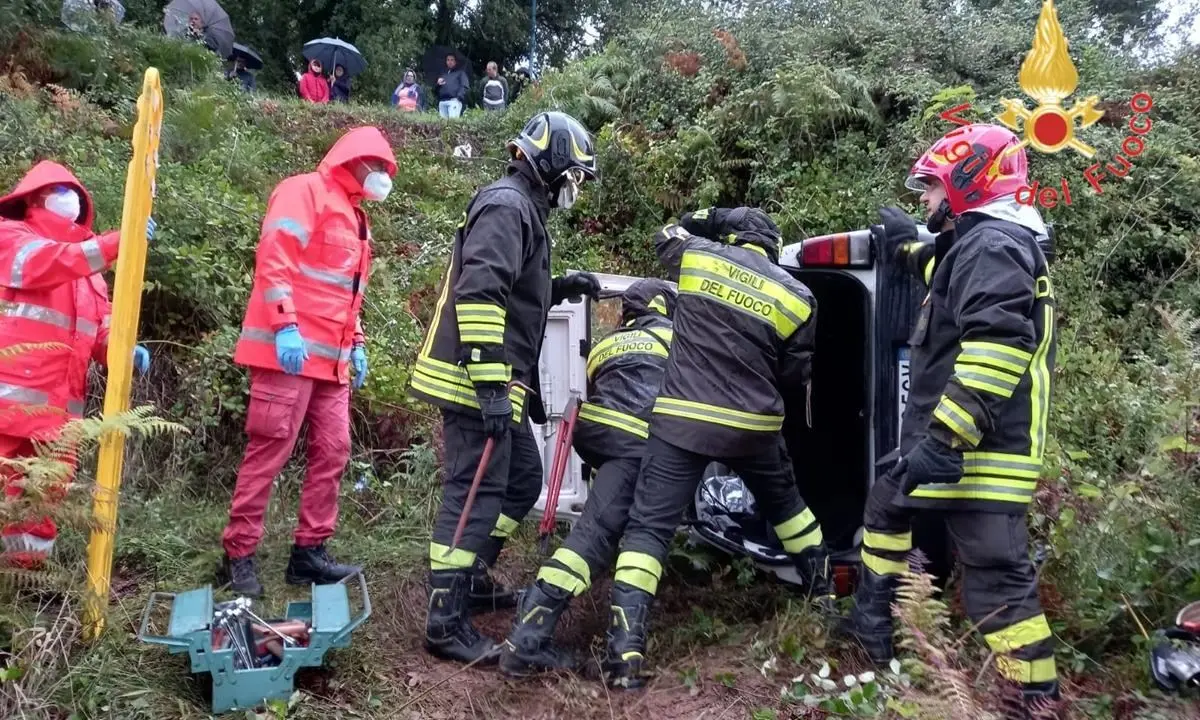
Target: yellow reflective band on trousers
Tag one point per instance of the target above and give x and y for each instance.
(575, 578)
(882, 566)
(1001, 357)
(450, 382)
(456, 560)
(504, 526)
(726, 417)
(796, 524)
(799, 532)
(489, 372)
(480, 323)
(1027, 671)
(618, 420)
(958, 420)
(973, 487)
(1020, 634)
(623, 343)
(748, 292)
(800, 543)
(1039, 395)
(986, 379)
(639, 570)
(881, 541)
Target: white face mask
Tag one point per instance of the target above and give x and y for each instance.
(64, 203)
(377, 186)
(568, 192)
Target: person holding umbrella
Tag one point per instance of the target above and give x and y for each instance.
(243, 59)
(338, 55)
(339, 85)
(202, 20)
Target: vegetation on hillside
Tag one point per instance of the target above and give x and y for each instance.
(813, 114)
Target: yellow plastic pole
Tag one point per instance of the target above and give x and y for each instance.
(127, 304)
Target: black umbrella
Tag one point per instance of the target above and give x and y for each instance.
(253, 61)
(332, 51)
(433, 64)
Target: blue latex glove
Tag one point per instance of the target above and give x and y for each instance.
(151, 226)
(141, 359)
(290, 350)
(358, 360)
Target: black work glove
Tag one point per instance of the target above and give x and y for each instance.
(719, 223)
(931, 461)
(495, 407)
(900, 231)
(573, 287)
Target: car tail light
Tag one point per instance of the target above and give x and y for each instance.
(844, 250)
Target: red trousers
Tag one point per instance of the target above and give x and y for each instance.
(279, 405)
(27, 543)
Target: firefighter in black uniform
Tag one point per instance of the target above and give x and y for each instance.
(974, 430)
(744, 332)
(478, 363)
(625, 370)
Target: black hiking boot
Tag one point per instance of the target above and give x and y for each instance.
(242, 575)
(486, 594)
(530, 647)
(313, 565)
(630, 609)
(449, 634)
(813, 566)
(870, 622)
(1039, 701)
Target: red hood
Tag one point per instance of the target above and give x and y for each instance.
(43, 175)
(361, 143)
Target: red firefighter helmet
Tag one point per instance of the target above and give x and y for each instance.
(976, 163)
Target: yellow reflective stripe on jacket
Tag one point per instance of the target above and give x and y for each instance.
(450, 382)
(505, 526)
(657, 305)
(624, 342)
(1018, 635)
(748, 292)
(1004, 464)
(928, 271)
(480, 323)
(715, 415)
(640, 570)
(1001, 357)
(1039, 394)
(980, 487)
(489, 372)
(1027, 671)
(619, 420)
(958, 420)
(986, 379)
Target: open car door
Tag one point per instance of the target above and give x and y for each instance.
(570, 329)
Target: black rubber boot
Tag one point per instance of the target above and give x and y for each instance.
(870, 622)
(813, 566)
(530, 647)
(485, 594)
(313, 565)
(630, 610)
(242, 575)
(449, 634)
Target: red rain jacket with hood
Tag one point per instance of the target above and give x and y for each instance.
(312, 262)
(314, 87)
(51, 291)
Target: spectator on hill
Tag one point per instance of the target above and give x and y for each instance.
(313, 86)
(240, 72)
(339, 85)
(452, 89)
(408, 96)
(495, 89)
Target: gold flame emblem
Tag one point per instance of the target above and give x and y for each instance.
(1048, 76)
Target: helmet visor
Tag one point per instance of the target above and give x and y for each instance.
(918, 183)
